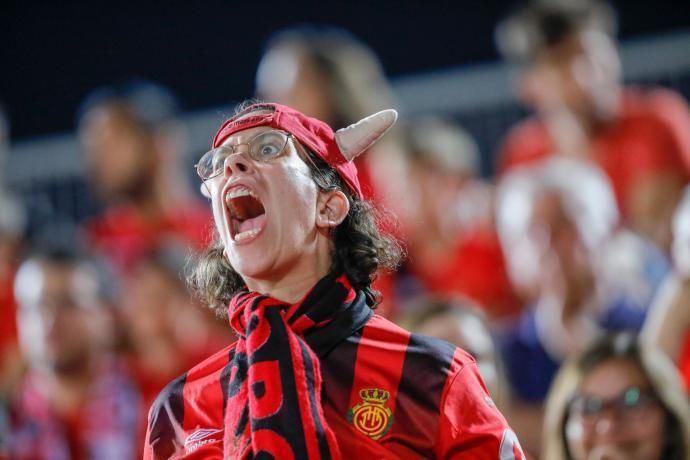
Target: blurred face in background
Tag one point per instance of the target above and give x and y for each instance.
(120, 155)
(61, 318)
(579, 75)
(616, 415)
(158, 309)
(288, 76)
(149, 304)
(438, 192)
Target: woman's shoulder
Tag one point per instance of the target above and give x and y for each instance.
(194, 399)
(434, 355)
(208, 372)
(214, 363)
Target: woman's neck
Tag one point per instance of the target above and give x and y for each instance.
(292, 282)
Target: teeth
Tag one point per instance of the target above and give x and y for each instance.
(238, 192)
(247, 234)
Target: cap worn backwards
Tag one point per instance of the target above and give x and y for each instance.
(337, 149)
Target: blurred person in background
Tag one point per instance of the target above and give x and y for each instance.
(571, 76)
(164, 336)
(579, 273)
(328, 73)
(13, 221)
(12, 225)
(134, 150)
(618, 399)
(75, 402)
(325, 72)
(12, 230)
(668, 325)
(447, 219)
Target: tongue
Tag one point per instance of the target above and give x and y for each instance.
(251, 224)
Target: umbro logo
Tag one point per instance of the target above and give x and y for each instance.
(200, 438)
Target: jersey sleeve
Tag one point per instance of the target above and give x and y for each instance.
(471, 426)
(177, 431)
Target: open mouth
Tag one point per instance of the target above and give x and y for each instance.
(247, 213)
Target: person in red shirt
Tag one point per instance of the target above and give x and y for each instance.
(571, 77)
(447, 220)
(314, 373)
(133, 147)
(76, 401)
(13, 223)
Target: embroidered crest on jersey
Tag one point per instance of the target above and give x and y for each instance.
(371, 416)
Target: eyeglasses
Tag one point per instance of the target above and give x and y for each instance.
(263, 147)
(629, 406)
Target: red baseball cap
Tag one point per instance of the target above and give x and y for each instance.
(313, 134)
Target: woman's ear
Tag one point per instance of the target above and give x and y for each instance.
(332, 208)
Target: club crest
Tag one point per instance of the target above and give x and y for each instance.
(371, 416)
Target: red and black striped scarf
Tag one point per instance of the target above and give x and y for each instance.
(274, 393)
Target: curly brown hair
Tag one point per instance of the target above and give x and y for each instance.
(361, 248)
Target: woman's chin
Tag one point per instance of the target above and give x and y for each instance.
(249, 267)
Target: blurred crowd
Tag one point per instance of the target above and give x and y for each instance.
(566, 274)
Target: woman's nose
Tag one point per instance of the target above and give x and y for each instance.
(237, 163)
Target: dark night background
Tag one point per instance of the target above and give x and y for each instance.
(53, 53)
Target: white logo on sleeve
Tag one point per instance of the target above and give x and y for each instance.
(510, 447)
(200, 438)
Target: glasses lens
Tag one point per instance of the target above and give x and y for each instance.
(628, 406)
(636, 401)
(631, 397)
(268, 145)
(211, 163)
(264, 147)
(586, 405)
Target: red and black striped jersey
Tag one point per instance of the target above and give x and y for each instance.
(387, 393)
